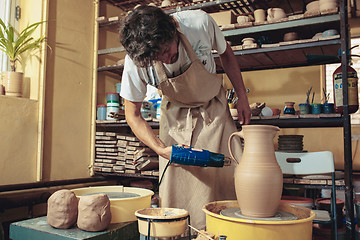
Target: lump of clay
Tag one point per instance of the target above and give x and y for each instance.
(62, 209)
(94, 212)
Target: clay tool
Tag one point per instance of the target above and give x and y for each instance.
(201, 233)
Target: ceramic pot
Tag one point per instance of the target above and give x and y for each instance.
(259, 15)
(304, 108)
(329, 33)
(248, 41)
(258, 176)
(291, 36)
(313, 6)
(165, 3)
(327, 4)
(13, 83)
(289, 108)
(328, 108)
(317, 35)
(325, 204)
(275, 14)
(242, 19)
(316, 108)
(276, 111)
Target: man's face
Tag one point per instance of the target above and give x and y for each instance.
(169, 52)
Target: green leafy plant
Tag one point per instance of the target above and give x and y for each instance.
(13, 44)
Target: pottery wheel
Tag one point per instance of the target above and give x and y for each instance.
(116, 194)
(279, 216)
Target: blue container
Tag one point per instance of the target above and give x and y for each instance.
(304, 108)
(328, 108)
(101, 112)
(316, 108)
(112, 97)
(118, 87)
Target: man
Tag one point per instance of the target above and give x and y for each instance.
(173, 53)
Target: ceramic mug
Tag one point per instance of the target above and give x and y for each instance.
(259, 15)
(275, 14)
(242, 19)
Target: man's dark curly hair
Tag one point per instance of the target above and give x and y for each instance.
(143, 33)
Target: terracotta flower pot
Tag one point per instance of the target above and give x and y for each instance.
(258, 177)
(13, 83)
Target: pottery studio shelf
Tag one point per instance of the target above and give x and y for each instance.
(306, 52)
(127, 175)
(280, 122)
(315, 181)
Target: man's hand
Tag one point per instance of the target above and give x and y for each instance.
(165, 152)
(244, 113)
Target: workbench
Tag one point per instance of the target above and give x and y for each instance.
(39, 229)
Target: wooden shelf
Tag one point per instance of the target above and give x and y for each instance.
(125, 175)
(282, 123)
(111, 50)
(325, 21)
(239, 7)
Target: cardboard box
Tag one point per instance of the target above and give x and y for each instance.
(224, 17)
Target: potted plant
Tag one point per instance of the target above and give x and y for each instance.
(13, 44)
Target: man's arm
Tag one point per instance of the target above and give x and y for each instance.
(231, 67)
(143, 131)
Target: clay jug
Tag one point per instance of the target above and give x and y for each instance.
(258, 176)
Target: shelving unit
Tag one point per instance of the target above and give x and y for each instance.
(323, 51)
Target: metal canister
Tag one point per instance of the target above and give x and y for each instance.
(110, 96)
(112, 107)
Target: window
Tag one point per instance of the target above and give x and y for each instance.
(7, 14)
(330, 68)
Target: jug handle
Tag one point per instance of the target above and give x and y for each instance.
(239, 134)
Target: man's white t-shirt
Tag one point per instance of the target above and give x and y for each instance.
(203, 34)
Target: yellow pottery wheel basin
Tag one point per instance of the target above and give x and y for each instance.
(165, 222)
(124, 201)
(248, 229)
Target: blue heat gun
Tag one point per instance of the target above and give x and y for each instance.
(186, 155)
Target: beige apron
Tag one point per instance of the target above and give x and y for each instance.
(194, 112)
